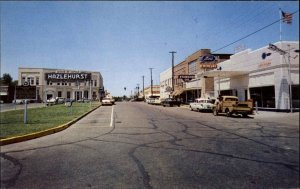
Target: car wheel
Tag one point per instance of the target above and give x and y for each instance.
(215, 112)
(191, 108)
(228, 114)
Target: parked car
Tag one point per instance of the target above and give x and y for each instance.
(156, 101)
(60, 100)
(107, 101)
(51, 101)
(170, 102)
(230, 105)
(18, 101)
(202, 104)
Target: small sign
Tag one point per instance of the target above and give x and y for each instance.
(186, 77)
(208, 58)
(26, 83)
(208, 65)
(25, 92)
(168, 89)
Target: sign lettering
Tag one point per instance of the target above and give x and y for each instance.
(68, 76)
(186, 77)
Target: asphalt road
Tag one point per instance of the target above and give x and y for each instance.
(150, 146)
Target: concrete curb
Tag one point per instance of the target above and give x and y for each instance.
(43, 133)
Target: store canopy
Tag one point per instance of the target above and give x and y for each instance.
(178, 92)
(223, 74)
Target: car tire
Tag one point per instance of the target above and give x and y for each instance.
(228, 114)
(215, 112)
(191, 108)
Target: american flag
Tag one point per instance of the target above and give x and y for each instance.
(287, 17)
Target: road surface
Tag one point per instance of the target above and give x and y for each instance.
(136, 145)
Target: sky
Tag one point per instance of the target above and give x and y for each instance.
(123, 39)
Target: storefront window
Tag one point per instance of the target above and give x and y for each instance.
(295, 96)
(264, 96)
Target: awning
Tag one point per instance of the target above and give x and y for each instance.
(178, 92)
(220, 73)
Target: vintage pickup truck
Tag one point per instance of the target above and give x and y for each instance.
(202, 104)
(230, 105)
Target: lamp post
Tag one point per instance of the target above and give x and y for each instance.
(172, 52)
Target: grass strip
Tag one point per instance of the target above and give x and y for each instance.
(39, 119)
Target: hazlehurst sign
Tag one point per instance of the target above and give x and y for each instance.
(68, 76)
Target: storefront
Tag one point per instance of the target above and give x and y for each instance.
(268, 77)
(52, 83)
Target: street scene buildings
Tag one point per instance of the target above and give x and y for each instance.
(149, 95)
(64, 83)
(263, 75)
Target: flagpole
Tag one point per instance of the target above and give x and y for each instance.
(280, 29)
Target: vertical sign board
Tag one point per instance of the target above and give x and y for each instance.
(26, 92)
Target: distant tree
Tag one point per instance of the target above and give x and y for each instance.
(6, 79)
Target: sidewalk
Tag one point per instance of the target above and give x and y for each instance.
(280, 117)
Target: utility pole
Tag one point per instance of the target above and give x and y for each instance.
(151, 81)
(172, 52)
(138, 90)
(143, 87)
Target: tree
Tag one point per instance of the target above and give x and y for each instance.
(6, 79)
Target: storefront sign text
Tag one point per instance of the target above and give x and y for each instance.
(186, 77)
(264, 64)
(208, 65)
(68, 76)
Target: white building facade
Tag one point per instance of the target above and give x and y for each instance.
(52, 83)
(165, 79)
(269, 78)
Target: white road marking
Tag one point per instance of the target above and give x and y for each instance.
(112, 116)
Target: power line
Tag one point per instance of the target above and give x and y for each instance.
(252, 33)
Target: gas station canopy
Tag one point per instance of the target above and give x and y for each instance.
(222, 74)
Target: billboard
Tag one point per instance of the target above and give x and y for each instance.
(70, 77)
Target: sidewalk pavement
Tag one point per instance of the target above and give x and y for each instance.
(280, 117)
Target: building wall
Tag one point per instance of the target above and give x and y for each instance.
(271, 71)
(45, 89)
(165, 79)
(205, 85)
(155, 91)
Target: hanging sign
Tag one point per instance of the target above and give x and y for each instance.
(186, 77)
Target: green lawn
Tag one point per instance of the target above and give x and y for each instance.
(12, 122)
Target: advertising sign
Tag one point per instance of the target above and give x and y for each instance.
(70, 77)
(25, 92)
(208, 58)
(186, 77)
(208, 61)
